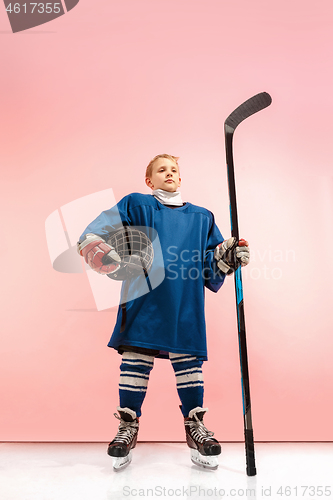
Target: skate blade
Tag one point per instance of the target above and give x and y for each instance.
(207, 462)
(119, 463)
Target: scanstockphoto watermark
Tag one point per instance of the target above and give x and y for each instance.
(269, 263)
(186, 264)
(194, 264)
(194, 491)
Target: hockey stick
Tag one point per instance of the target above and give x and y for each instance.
(248, 108)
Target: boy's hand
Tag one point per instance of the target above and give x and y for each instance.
(224, 254)
(100, 256)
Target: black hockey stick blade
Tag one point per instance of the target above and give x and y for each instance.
(248, 108)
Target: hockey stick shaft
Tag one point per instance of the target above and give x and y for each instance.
(248, 108)
(247, 415)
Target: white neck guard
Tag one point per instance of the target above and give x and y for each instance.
(168, 198)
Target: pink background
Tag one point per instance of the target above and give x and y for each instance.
(86, 101)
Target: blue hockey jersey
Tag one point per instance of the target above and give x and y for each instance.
(170, 317)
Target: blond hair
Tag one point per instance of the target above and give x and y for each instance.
(149, 169)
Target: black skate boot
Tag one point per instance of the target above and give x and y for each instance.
(125, 440)
(204, 448)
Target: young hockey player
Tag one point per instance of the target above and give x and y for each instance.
(168, 322)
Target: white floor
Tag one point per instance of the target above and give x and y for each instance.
(80, 471)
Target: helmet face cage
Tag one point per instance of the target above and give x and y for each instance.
(135, 250)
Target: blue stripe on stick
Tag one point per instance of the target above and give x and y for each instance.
(239, 285)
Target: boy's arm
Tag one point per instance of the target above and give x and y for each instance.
(92, 246)
(214, 276)
(109, 221)
(220, 257)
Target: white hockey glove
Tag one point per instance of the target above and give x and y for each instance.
(224, 254)
(100, 256)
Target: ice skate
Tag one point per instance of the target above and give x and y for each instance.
(125, 440)
(204, 448)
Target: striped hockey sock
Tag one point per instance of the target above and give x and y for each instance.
(134, 375)
(190, 386)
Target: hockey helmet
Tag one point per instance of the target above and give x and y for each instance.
(135, 250)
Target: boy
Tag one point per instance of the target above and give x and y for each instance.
(168, 321)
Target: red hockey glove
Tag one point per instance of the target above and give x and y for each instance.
(224, 254)
(100, 256)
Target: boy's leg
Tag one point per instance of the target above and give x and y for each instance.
(190, 386)
(204, 448)
(134, 375)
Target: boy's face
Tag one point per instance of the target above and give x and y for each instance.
(165, 175)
